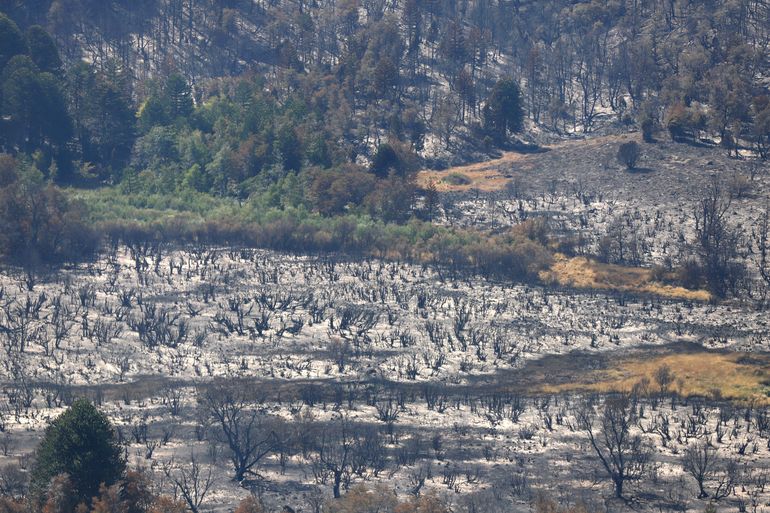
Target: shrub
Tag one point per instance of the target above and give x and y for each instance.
(457, 179)
(8, 505)
(380, 499)
(628, 154)
(682, 122)
(249, 505)
(690, 274)
(165, 504)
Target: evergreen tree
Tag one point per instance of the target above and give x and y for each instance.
(33, 105)
(503, 112)
(178, 97)
(385, 160)
(43, 50)
(80, 443)
(290, 148)
(112, 122)
(11, 40)
(151, 114)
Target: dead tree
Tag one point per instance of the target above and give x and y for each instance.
(343, 451)
(248, 432)
(727, 477)
(623, 456)
(764, 246)
(193, 482)
(387, 412)
(717, 241)
(699, 460)
(13, 482)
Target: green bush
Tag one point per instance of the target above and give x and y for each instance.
(456, 178)
(38, 224)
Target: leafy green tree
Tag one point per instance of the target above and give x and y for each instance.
(11, 40)
(80, 443)
(332, 191)
(152, 114)
(157, 148)
(43, 50)
(503, 112)
(392, 199)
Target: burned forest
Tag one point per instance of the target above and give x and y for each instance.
(384, 256)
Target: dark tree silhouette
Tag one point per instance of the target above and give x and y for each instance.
(628, 154)
(623, 456)
(503, 112)
(248, 432)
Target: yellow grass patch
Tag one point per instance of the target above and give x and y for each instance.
(484, 176)
(580, 272)
(735, 376)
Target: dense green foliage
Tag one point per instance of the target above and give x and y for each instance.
(38, 224)
(515, 255)
(80, 443)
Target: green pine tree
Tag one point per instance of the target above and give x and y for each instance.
(80, 443)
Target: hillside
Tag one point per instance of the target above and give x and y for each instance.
(384, 256)
(421, 73)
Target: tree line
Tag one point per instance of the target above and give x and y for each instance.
(690, 66)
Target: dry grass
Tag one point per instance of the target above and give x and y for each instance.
(734, 376)
(483, 176)
(583, 273)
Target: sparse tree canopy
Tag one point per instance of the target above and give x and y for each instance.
(250, 434)
(699, 460)
(623, 455)
(80, 443)
(717, 240)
